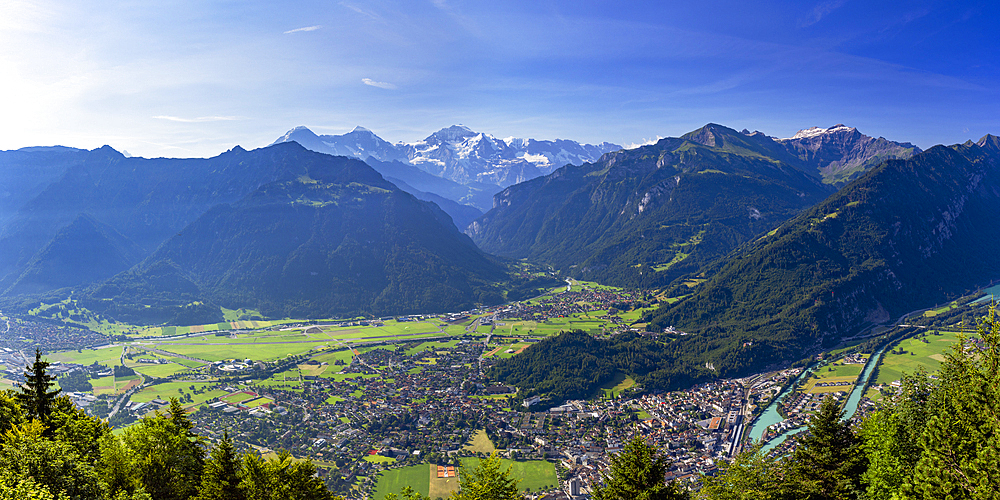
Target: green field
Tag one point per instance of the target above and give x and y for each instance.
(917, 354)
(535, 474)
(212, 351)
(158, 371)
(108, 356)
(618, 384)
(393, 481)
(553, 326)
(168, 390)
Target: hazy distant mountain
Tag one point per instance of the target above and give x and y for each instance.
(145, 200)
(906, 235)
(841, 153)
(359, 143)
(86, 251)
(459, 154)
(328, 237)
(645, 216)
(27, 171)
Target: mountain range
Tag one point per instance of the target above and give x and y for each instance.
(906, 235)
(282, 229)
(458, 154)
(721, 217)
(644, 217)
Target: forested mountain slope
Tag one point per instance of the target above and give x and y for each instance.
(646, 216)
(328, 237)
(906, 235)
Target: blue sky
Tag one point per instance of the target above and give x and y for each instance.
(181, 79)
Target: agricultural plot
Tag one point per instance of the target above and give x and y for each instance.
(923, 351)
(168, 390)
(103, 385)
(158, 370)
(553, 326)
(217, 351)
(108, 356)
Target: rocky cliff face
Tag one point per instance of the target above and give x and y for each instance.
(842, 153)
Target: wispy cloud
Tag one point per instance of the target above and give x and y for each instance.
(820, 11)
(381, 85)
(307, 28)
(367, 13)
(646, 142)
(199, 119)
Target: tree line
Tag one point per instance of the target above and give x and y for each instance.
(51, 450)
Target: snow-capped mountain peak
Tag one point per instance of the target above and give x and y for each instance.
(816, 131)
(459, 153)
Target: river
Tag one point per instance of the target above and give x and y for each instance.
(771, 416)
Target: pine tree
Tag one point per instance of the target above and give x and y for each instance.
(752, 475)
(828, 462)
(35, 395)
(487, 481)
(637, 473)
(220, 479)
(960, 444)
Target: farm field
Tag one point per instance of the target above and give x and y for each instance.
(212, 351)
(157, 370)
(553, 326)
(922, 351)
(168, 390)
(534, 475)
(108, 356)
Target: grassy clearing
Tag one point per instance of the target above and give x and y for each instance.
(924, 351)
(618, 384)
(480, 443)
(379, 459)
